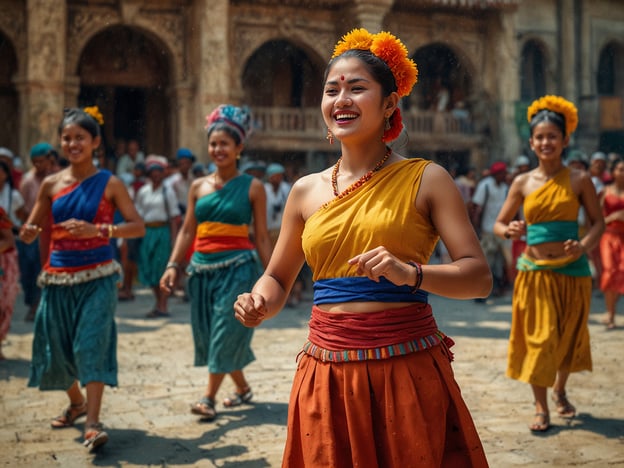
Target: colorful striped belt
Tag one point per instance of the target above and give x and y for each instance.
(383, 352)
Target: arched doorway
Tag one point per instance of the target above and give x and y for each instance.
(8, 95)
(282, 85)
(532, 71)
(440, 72)
(126, 73)
(610, 86)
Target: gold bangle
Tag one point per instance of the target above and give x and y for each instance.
(111, 229)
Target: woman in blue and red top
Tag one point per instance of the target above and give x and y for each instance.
(75, 338)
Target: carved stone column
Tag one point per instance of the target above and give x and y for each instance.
(370, 14)
(184, 120)
(215, 71)
(42, 92)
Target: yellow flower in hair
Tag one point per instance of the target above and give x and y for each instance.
(357, 39)
(386, 47)
(560, 106)
(94, 112)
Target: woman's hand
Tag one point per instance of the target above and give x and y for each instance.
(79, 228)
(573, 248)
(250, 309)
(379, 262)
(29, 232)
(168, 279)
(515, 229)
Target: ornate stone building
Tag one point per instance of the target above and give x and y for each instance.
(157, 67)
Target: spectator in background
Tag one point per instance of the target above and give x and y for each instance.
(487, 201)
(180, 181)
(277, 190)
(8, 157)
(129, 248)
(9, 272)
(254, 168)
(125, 164)
(29, 256)
(157, 205)
(597, 169)
(612, 243)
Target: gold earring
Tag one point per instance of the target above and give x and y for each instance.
(330, 137)
(387, 126)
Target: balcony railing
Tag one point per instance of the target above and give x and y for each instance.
(291, 122)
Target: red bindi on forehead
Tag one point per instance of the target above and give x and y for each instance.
(341, 77)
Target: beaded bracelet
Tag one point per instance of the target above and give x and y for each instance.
(419, 276)
(175, 265)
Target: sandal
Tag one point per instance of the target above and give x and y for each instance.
(157, 314)
(95, 436)
(237, 399)
(69, 415)
(564, 407)
(205, 408)
(541, 423)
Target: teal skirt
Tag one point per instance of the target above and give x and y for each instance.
(75, 337)
(154, 254)
(221, 342)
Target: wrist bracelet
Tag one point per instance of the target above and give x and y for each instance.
(175, 265)
(111, 230)
(419, 276)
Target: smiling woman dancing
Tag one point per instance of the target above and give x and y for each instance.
(374, 384)
(75, 339)
(549, 337)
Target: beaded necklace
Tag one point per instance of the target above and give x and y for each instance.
(357, 184)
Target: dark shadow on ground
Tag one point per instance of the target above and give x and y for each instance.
(136, 447)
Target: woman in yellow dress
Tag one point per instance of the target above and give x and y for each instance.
(374, 385)
(549, 336)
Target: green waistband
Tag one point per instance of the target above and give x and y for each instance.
(552, 231)
(578, 267)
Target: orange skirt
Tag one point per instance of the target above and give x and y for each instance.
(397, 412)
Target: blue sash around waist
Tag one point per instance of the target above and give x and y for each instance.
(363, 289)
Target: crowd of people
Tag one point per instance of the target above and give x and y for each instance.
(374, 382)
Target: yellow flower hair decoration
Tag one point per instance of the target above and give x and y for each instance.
(388, 48)
(560, 106)
(94, 112)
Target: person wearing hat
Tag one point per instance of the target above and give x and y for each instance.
(158, 206)
(487, 201)
(222, 208)
(29, 255)
(180, 180)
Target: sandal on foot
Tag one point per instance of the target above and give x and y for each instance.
(157, 314)
(237, 399)
(541, 423)
(565, 409)
(69, 415)
(95, 436)
(205, 408)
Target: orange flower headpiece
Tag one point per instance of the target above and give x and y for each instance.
(389, 49)
(94, 112)
(560, 106)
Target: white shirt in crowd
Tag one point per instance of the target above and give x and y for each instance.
(490, 196)
(15, 200)
(151, 206)
(275, 204)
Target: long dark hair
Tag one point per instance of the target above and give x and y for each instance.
(5, 167)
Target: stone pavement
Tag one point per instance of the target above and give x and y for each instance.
(149, 423)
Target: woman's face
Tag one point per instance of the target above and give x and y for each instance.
(618, 173)
(78, 144)
(547, 141)
(222, 148)
(352, 104)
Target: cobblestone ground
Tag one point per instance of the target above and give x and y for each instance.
(149, 423)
